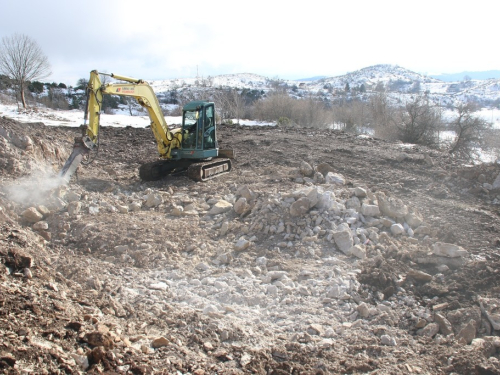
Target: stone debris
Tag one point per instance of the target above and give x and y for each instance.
(315, 264)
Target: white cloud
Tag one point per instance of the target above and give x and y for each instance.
(164, 39)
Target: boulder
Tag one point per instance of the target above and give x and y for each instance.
(241, 244)
(358, 251)
(324, 168)
(343, 238)
(419, 275)
(245, 192)
(300, 206)
(74, 208)
(40, 226)
(220, 207)
(241, 206)
(445, 326)
(430, 330)
(306, 169)
(397, 229)
(388, 340)
(360, 192)
(334, 179)
(468, 333)
(413, 218)
(153, 200)
(370, 210)
(448, 250)
(159, 342)
(32, 215)
(391, 207)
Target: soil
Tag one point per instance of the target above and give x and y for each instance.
(164, 288)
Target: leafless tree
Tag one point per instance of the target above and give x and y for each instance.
(275, 106)
(469, 131)
(352, 116)
(22, 60)
(230, 104)
(310, 112)
(418, 122)
(381, 116)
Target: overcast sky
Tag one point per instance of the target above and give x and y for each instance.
(285, 39)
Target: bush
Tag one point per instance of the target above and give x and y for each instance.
(305, 112)
(36, 87)
(418, 122)
(284, 121)
(110, 102)
(469, 132)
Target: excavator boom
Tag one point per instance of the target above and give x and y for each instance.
(191, 147)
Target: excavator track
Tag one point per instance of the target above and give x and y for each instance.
(158, 169)
(201, 171)
(209, 169)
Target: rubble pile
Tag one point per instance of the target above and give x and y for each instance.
(302, 270)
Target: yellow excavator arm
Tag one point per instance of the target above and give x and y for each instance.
(145, 96)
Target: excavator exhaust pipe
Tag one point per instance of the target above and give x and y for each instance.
(80, 150)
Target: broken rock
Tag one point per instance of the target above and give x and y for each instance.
(220, 207)
(343, 238)
(32, 215)
(448, 250)
(159, 342)
(300, 207)
(306, 169)
(391, 207)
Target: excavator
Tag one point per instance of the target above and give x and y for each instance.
(192, 147)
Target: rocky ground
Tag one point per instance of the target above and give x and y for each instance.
(320, 253)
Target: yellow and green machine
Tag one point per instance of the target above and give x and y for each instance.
(192, 147)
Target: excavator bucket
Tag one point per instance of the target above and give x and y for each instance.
(74, 160)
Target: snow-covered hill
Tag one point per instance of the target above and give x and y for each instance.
(395, 81)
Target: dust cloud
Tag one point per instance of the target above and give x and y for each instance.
(36, 189)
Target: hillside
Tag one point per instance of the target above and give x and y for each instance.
(322, 252)
(399, 83)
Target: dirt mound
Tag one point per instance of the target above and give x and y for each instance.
(321, 252)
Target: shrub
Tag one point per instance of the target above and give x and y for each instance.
(36, 87)
(418, 122)
(284, 121)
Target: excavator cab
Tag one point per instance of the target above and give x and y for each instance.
(198, 128)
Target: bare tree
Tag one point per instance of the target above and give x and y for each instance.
(275, 106)
(382, 115)
(22, 60)
(469, 132)
(418, 122)
(230, 104)
(352, 116)
(310, 112)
